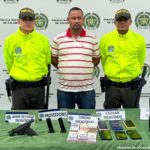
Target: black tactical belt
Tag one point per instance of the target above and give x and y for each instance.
(121, 85)
(30, 84)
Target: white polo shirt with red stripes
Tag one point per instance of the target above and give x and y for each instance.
(75, 65)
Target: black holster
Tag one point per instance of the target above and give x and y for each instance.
(138, 83)
(10, 85)
(104, 83)
(48, 80)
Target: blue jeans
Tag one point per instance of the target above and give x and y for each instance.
(84, 99)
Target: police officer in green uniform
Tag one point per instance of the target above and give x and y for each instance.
(122, 55)
(27, 56)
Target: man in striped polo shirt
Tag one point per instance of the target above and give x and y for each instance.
(75, 53)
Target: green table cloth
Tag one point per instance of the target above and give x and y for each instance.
(58, 141)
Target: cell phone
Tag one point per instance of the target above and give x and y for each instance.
(116, 125)
(121, 135)
(134, 134)
(102, 125)
(129, 124)
(105, 135)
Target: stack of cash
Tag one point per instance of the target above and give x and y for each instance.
(73, 133)
(82, 136)
(92, 137)
(92, 128)
(72, 137)
(82, 133)
(74, 127)
(92, 133)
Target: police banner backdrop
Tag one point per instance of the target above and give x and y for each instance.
(51, 20)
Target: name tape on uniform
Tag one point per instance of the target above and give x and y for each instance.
(53, 114)
(111, 114)
(18, 117)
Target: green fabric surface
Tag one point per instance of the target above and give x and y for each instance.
(58, 141)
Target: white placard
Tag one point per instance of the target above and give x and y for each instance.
(53, 114)
(18, 117)
(144, 113)
(111, 114)
(87, 119)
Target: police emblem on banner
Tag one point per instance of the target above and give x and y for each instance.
(64, 1)
(117, 1)
(92, 21)
(96, 71)
(41, 21)
(11, 1)
(142, 20)
(111, 48)
(18, 50)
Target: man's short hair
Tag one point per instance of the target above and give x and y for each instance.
(75, 8)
